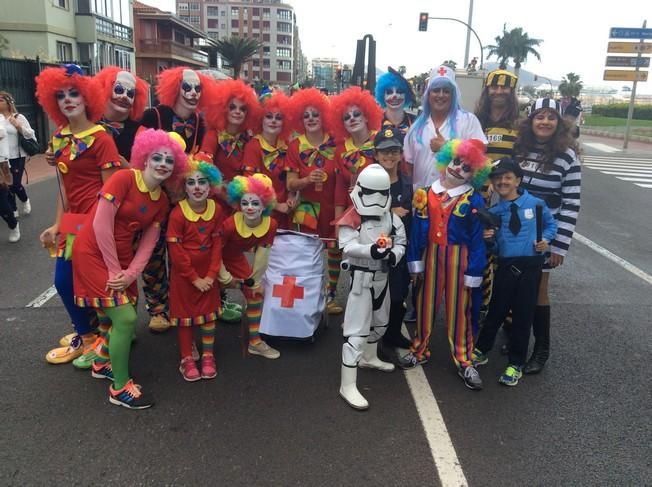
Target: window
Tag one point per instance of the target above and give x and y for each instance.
(266, 50)
(266, 63)
(283, 39)
(283, 14)
(256, 12)
(194, 19)
(212, 23)
(266, 25)
(194, 6)
(223, 13)
(60, 3)
(266, 75)
(256, 63)
(122, 58)
(235, 23)
(283, 27)
(64, 51)
(265, 37)
(214, 35)
(222, 26)
(255, 24)
(283, 52)
(212, 11)
(182, 6)
(284, 64)
(235, 11)
(287, 77)
(266, 14)
(185, 18)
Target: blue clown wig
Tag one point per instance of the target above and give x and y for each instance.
(390, 80)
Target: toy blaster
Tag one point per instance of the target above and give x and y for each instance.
(384, 241)
(487, 219)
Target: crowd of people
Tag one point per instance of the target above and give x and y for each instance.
(190, 194)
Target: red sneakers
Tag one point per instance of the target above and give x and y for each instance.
(188, 370)
(208, 368)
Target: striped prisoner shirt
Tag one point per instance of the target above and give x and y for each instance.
(500, 142)
(560, 189)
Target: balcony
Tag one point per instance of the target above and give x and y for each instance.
(90, 26)
(166, 48)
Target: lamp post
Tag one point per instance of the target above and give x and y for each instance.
(552, 92)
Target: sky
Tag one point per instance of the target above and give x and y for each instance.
(575, 33)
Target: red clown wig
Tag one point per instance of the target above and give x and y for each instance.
(364, 100)
(217, 109)
(168, 85)
(150, 140)
(52, 80)
(309, 97)
(107, 77)
(277, 102)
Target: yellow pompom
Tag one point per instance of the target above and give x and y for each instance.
(178, 139)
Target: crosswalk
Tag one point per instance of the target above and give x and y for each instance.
(635, 170)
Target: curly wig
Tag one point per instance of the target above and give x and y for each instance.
(217, 107)
(390, 80)
(472, 151)
(309, 97)
(150, 140)
(363, 100)
(276, 102)
(51, 80)
(211, 172)
(258, 184)
(168, 85)
(107, 77)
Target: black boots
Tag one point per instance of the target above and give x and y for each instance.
(541, 331)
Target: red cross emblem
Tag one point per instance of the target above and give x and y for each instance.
(442, 71)
(288, 291)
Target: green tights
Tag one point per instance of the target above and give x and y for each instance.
(124, 319)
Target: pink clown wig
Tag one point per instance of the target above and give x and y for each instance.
(168, 85)
(218, 106)
(106, 79)
(473, 152)
(52, 80)
(364, 100)
(277, 102)
(258, 184)
(309, 97)
(147, 141)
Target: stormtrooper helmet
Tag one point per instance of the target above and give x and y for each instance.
(370, 194)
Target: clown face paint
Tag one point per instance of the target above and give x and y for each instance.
(394, 97)
(197, 187)
(71, 103)
(124, 93)
(190, 90)
(252, 208)
(159, 164)
(354, 120)
(311, 120)
(457, 173)
(273, 123)
(237, 112)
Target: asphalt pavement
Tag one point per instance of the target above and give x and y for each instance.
(584, 421)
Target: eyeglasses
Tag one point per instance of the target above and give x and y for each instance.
(271, 116)
(159, 158)
(307, 115)
(354, 114)
(118, 89)
(444, 91)
(60, 95)
(233, 107)
(186, 87)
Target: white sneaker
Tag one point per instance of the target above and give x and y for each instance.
(14, 235)
(263, 350)
(25, 207)
(16, 215)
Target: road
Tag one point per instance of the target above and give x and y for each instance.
(584, 421)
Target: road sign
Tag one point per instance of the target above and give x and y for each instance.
(630, 33)
(621, 75)
(629, 47)
(627, 62)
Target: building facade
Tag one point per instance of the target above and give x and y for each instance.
(271, 22)
(324, 73)
(94, 33)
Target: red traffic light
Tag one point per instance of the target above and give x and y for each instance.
(423, 21)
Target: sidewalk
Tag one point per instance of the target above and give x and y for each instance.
(38, 170)
(611, 134)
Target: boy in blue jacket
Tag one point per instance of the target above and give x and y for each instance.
(520, 260)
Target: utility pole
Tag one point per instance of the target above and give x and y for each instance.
(632, 100)
(468, 35)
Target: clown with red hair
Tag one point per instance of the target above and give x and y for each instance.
(106, 266)
(85, 156)
(266, 152)
(313, 173)
(250, 228)
(233, 113)
(446, 251)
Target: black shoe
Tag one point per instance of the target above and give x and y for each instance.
(410, 316)
(471, 378)
(536, 363)
(407, 361)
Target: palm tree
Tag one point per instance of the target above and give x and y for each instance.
(522, 46)
(570, 85)
(236, 51)
(502, 48)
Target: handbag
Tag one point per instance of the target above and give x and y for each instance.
(30, 146)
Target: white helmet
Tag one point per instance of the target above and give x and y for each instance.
(370, 194)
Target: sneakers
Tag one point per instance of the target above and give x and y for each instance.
(479, 358)
(332, 308)
(407, 361)
(208, 368)
(159, 323)
(102, 370)
(63, 355)
(65, 340)
(14, 234)
(188, 370)
(230, 313)
(261, 348)
(130, 396)
(85, 360)
(471, 378)
(511, 375)
(25, 207)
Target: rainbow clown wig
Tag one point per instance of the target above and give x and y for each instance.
(258, 184)
(52, 80)
(341, 103)
(276, 102)
(392, 79)
(217, 107)
(309, 97)
(106, 78)
(210, 172)
(472, 151)
(168, 85)
(147, 141)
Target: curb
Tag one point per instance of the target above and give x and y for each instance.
(615, 135)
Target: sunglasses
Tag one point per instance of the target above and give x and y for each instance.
(159, 158)
(233, 107)
(187, 87)
(445, 91)
(60, 95)
(350, 115)
(307, 115)
(118, 89)
(270, 116)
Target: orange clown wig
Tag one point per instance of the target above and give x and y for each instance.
(216, 111)
(168, 85)
(309, 97)
(277, 102)
(107, 78)
(364, 100)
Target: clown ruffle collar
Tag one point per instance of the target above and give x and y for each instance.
(245, 232)
(142, 187)
(193, 216)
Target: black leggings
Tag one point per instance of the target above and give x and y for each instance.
(17, 189)
(6, 212)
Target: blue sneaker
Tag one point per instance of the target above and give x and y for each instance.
(102, 370)
(511, 375)
(479, 358)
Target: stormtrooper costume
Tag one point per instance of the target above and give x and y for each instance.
(372, 239)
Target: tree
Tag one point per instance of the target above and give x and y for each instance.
(570, 85)
(516, 45)
(501, 49)
(402, 70)
(236, 51)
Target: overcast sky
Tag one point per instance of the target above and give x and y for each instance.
(575, 33)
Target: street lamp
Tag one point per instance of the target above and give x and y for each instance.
(536, 78)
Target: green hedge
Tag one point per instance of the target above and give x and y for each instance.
(619, 110)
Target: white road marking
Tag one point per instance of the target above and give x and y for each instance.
(628, 266)
(42, 298)
(441, 446)
(637, 180)
(601, 147)
(633, 174)
(644, 185)
(621, 168)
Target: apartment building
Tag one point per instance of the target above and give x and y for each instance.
(324, 73)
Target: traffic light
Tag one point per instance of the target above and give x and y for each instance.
(423, 21)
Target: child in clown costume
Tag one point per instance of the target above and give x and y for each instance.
(446, 252)
(195, 249)
(249, 228)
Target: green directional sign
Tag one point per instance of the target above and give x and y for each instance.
(627, 62)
